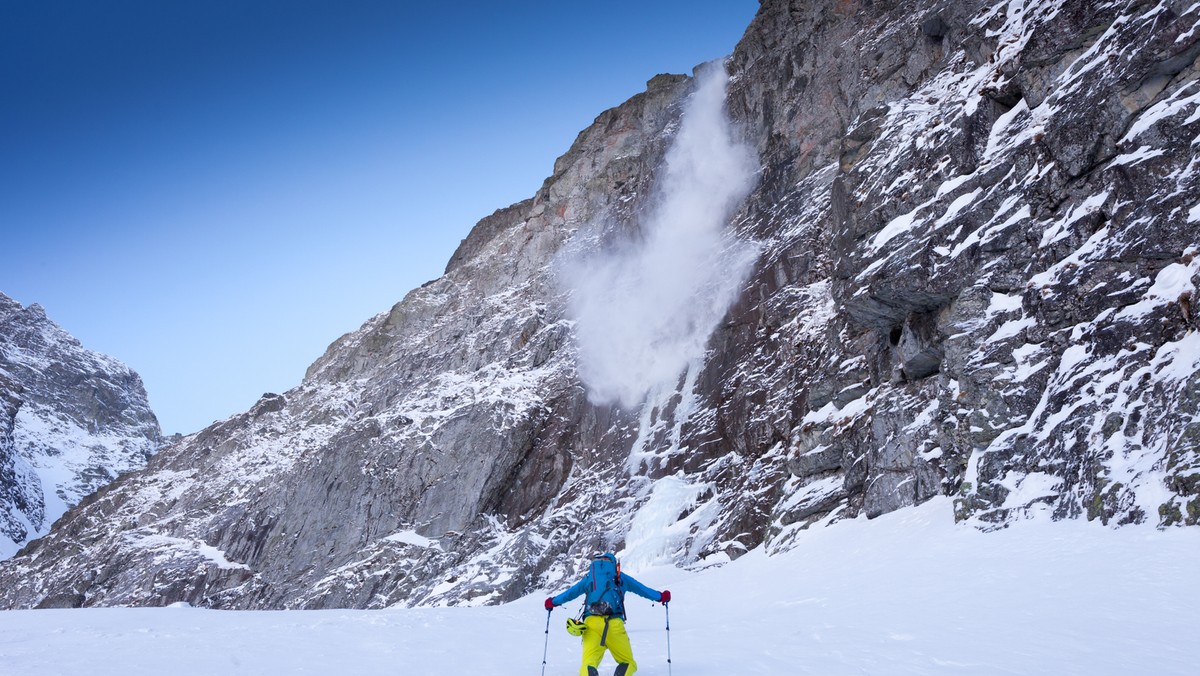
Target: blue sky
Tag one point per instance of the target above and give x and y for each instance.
(212, 192)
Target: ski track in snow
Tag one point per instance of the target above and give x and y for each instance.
(907, 593)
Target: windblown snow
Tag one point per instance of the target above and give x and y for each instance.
(644, 310)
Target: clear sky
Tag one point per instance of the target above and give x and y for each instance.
(213, 191)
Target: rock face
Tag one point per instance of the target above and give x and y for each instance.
(71, 420)
(976, 277)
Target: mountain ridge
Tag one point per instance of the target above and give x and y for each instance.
(71, 421)
(975, 279)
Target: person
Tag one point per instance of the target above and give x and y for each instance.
(604, 613)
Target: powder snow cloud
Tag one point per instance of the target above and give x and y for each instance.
(644, 309)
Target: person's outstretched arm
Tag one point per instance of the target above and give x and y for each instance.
(631, 584)
(574, 592)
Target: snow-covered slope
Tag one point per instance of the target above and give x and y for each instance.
(967, 263)
(908, 593)
(71, 421)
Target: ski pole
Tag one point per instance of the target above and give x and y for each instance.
(546, 648)
(667, 609)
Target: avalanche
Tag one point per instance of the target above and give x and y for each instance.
(907, 593)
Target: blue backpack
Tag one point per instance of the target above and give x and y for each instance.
(605, 596)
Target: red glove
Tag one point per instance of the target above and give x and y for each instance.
(666, 596)
(549, 604)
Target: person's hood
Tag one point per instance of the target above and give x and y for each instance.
(606, 555)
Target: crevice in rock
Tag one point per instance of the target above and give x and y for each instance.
(915, 347)
(935, 28)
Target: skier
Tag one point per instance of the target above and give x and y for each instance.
(604, 613)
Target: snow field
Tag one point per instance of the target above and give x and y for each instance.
(907, 593)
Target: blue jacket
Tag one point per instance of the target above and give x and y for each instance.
(627, 583)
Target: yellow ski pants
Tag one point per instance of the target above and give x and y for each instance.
(616, 641)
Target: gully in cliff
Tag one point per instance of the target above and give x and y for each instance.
(603, 616)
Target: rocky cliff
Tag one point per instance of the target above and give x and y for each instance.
(972, 269)
(71, 420)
